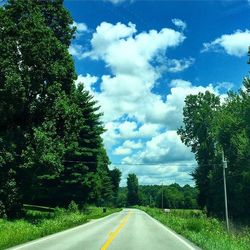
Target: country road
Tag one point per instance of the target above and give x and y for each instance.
(127, 230)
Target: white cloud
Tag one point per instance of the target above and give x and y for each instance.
(179, 23)
(174, 65)
(235, 44)
(130, 54)
(87, 80)
(158, 174)
(175, 100)
(127, 147)
(140, 123)
(163, 148)
(119, 131)
(148, 130)
(77, 51)
(223, 86)
(127, 129)
(115, 1)
(122, 151)
(129, 57)
(167, 160)
(166, 147)
(111, 136)
(80, 27)
(132, 144)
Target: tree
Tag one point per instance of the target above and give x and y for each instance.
(207, 123)
(115, 175)
(50, 130)
(133, 190)
(35, 70)
(174, 196)
(199, 113)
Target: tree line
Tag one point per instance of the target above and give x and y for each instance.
(211, 127)
(51, 150)
(161, 196)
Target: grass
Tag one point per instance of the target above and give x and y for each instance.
(37, 224)
(207, 233)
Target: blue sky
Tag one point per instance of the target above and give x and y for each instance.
(139, 59)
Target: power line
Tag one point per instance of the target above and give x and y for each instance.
(128, 164)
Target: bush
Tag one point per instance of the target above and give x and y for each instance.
(73, 207)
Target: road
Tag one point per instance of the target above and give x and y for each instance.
(127, 230)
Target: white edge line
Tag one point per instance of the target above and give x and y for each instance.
(171, 232)
(58, 233)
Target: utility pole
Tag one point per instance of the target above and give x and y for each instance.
(162, 195)
(224, 164)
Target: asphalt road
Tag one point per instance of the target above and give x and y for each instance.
(130, 229)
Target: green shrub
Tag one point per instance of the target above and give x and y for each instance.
(73, 207)
(193, 225)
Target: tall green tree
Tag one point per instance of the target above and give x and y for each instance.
(133, 190)
(207, 123)
(50, 130)
(35, 69)
(115, 175)
(197, 133)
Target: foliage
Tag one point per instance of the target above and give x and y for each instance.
(199, 112)
(133, 190)
(211, 128)
(207, 233)
(174, 196)
(50, 129)
(115, 175)
(73, 207)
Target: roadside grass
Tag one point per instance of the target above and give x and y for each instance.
(37, 224)
(207, 233)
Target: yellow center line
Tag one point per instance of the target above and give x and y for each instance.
(112, 235)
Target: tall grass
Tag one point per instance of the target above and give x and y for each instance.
(207, 233)
(37, 224)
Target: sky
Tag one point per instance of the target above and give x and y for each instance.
(140, 59)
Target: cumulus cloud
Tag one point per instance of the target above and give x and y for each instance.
(223, 86)
(80, 27)
(235, 44)
(166, 147)
(126, 52)
(127, 147)
(126, 130)
(141, 124)
(77, 51)
(179, 23)
(163, 148)
(173, 65)
(129, 56)
(87, 80)
(158, 174)
(163, 159)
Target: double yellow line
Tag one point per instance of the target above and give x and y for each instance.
(112, 235)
